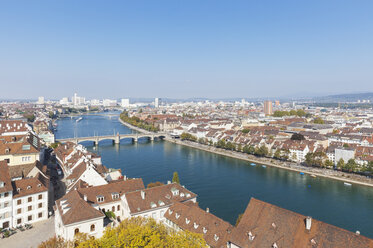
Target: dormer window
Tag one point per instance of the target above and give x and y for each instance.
(195, 225)
(204, 230)
(18, 189)
(29, 187)
(7, 151)
(115, 195)
(187, 221)
(274, 245)
(182, 194)
(39, 185)
(175, 191)
(177, 216)
(216, 237)
(153, 205)
(251, 236)
(100, 198)
(1, 184)
(187, 195)
(160, 203)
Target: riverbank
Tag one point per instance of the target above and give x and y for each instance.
(326, 173)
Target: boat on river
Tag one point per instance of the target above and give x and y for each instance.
(313, 176)
(253, 164)
(347, 184)
(264, 166)
(79, 119)
(301, 173)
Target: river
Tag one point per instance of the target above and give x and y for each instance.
(225, 185)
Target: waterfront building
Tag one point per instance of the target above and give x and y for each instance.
(125, 103)
(77, 100)
(267, 225)
(268, 108)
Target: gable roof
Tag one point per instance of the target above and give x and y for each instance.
(215, 231)
(270, 224)
(73, 208)
(107, 190)
(157, 196)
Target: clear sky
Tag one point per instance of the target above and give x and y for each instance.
(182, 49)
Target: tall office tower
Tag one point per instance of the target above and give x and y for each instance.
(157, 102)
(125, 103)
(268, 108)
(40, 100)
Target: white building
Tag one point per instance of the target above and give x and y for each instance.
(64, 101)
(30, 202)
(156, 102)
(77, 100)
(6, 195)
(40, 100)
(125, 103)
(109, 103)
(344, 153)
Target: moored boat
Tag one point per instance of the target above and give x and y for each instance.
(347, 184)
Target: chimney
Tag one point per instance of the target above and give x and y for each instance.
(85, 197)
(357, 233)
(168, 182)
(142, 194)
(207, 210)
(308, 223)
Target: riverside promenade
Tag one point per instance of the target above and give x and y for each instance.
(327, 173)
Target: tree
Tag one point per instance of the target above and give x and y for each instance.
(345, 145)
(175, 178)
(261, 151)
(245, 130)
(297, 136)
(277, 154)
(134, 232)
(151, 185)
(318, 120)
(238, 219)
(350, 165)
(328, 164)
(340, 164)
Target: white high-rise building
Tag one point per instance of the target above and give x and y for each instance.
(125, 103)
(40, 100)
(157, 102)
(77, 100)
(109, 103)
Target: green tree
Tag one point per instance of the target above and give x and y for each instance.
(318, 120)
(151, 185)
(350, 165)
(340, 164)
(277, 154)
(175, 178)
(345, 145)
(297, 136)
(261, 151)
(238, 219)
(328, 164)
(245, 130)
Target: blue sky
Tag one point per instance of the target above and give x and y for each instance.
(182, 49)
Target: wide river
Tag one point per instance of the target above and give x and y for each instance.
(225, 185)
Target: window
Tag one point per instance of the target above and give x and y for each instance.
(29, 199)
(113, 209)
(29, 218)
(118, 207)
(40, 214)
(40, 205)
(40, 197)
(76, 231)
(19, 221)
(19, 210)
(19, 202)
(6, 204)
(29, 208)
(93, 228)
(6, 194)
(100, 198)
(7, 160)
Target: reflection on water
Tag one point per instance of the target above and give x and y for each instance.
(225, 185)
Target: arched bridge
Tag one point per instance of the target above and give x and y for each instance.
(115, 138)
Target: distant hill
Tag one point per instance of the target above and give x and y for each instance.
(346, 97)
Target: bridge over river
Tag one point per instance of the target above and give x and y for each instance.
(115, 138)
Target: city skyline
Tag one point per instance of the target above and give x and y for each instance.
(179, 50)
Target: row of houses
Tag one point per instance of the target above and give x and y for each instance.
(23, 178)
